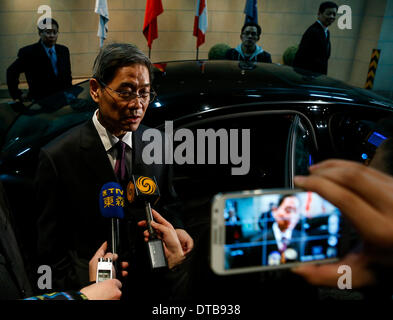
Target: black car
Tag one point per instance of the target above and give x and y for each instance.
(295, 118)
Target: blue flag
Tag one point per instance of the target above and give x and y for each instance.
(251, 11)
(102, 9)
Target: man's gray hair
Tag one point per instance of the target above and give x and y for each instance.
(117, 55)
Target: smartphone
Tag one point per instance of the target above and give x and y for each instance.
(268, 229)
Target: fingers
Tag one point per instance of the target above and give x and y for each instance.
(319, 275)
(366, 219)
(116, 283)
(329, 274)
(187, 243)
(160, 219)
(337, 163)
(102, 250)
(124, 265)
(142, 223)
(162, 227)
(365, 182)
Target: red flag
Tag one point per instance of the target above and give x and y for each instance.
(160, 66)
(200, 22)
(153, 10)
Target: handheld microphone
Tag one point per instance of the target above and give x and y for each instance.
(111, 202)
(145, 190)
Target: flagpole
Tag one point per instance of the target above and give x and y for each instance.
(149, 52)
(197, 49)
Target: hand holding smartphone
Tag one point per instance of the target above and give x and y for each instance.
(268, 229)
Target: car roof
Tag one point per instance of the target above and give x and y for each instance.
(255, 80)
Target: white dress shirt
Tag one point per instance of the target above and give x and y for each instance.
(287, 234)
(109, 141)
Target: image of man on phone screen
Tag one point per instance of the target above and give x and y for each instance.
(283, 239)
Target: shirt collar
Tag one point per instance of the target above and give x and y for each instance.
(47, 48)
(324, 28)
(279, 235)
(107, 138)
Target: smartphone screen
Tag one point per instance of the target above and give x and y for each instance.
(273, 229)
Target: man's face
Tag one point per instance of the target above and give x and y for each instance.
(116, 114)
(49, 36)
(249, 36)
(287, 214)
(328, 16)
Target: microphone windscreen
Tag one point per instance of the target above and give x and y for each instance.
(111, 200)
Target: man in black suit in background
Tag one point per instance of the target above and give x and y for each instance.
(46, 65)
(314, 48)
(73, 168)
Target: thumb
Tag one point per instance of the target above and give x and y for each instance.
(324, 275)
(102, 250)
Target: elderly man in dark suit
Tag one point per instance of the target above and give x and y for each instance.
(314, 48)
(46, 65)
(73, 168)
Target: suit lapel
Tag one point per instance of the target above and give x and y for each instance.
(328, 43)
(44, 57)
(94, 154)
(137, 148)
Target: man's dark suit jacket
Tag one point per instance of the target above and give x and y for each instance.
(35, 63)
(72, 170)
(314, 50)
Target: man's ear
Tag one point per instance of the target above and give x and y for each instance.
(95, 90)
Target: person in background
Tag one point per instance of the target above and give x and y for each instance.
(46, 65)
(248, 50)
(315, 47)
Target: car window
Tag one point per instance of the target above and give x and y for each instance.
(304, 147)
(268, 136)
(357, 135)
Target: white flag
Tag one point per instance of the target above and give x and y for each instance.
(102, 9)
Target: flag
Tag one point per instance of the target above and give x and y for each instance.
(200, 22)
(251, 11)
(102, 9)
(153, 10)
(160, 66)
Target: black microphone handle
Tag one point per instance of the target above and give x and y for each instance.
(115, 240)
(149, 219)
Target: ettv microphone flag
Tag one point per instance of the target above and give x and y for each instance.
(111, 200)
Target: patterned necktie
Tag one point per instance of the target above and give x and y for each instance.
(120, 166)
(284, 247)
(53, 59)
